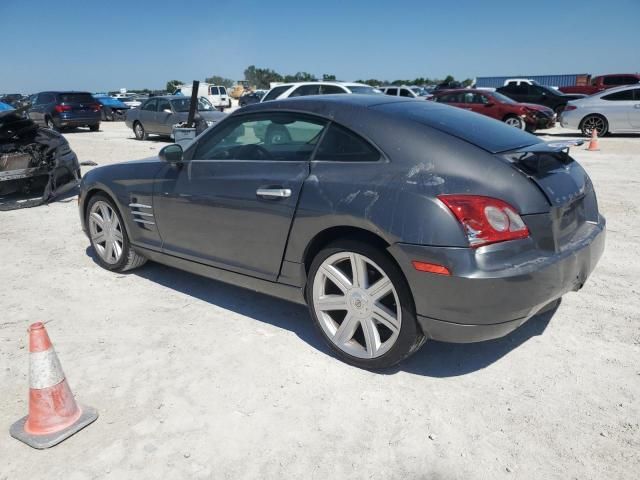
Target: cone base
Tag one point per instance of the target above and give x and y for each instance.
(88, 416)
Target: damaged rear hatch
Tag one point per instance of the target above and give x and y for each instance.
(36, 164)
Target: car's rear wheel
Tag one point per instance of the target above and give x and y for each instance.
(594, 122)
(362, 305)
(95, 127)
(139, 132)
(515, 121)
(109, 237)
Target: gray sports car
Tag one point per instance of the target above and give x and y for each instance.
(394, 220)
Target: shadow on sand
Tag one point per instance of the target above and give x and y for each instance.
(435, 359)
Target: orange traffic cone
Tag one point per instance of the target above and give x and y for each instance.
(593, 144)
(54, 414)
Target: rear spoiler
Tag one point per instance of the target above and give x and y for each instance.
(560, 146)
(541, 157)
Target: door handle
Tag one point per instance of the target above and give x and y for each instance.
(274, 192)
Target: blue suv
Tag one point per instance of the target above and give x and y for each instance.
(57, 110)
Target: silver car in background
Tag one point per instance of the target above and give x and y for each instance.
(616, 110)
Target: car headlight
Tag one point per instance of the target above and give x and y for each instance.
(209, 123)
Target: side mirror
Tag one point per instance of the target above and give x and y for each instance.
(490, 104)
(171, 154)
(167, 110)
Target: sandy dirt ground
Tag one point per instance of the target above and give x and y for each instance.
(196, 379)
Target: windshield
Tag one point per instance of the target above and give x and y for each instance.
(502, 98)
(182, 105)
(363, 89)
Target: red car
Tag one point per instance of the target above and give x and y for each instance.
(495, 105)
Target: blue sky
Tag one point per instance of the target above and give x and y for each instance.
(104, 45)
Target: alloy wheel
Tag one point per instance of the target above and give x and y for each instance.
(106, 232)
(357, 305)
(139, 131)
(515, 122)
(593, 123)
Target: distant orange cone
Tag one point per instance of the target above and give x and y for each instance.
(593, 144)
(54, 414)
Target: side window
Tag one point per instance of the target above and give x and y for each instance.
(331, 89)
(214, 91)
(223, 91)
(636, 94)
(268, 136)
(163, 105)
(342, 145)
(609, 81)
(405, 92)
(628, 80)
(150, 106)
(619, 96)
(304, 90)
(392, 91)
(275, 92)
(35, 99)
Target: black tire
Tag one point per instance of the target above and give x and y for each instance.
(130, 259)
(410, 337)
(94, 128)
(51, 124)
(139, 131)
(512, 119)
(587, 124)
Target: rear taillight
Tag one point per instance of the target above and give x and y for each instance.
(62, 108)
(485, 220)
(569, 108)
(96, 107)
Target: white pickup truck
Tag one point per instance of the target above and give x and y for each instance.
(216, 94)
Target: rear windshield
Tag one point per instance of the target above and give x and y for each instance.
(76, 98)
(484, 132)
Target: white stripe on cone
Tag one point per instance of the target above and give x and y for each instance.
(44, 369)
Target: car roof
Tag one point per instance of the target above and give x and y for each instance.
(364, 112)
(320, 82)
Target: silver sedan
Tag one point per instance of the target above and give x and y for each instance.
(616, 110)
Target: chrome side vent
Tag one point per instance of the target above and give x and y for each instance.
(142, 214)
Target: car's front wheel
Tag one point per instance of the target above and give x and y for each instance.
(109, 237)
(594, 122)
(362, 305)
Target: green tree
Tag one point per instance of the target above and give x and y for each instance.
(172, 85)
(218, 80)
(467, 82)
(326, 77)
(300, 77)
(261, 77)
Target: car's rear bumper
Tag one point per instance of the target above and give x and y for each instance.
(495, 289)
(77, 121)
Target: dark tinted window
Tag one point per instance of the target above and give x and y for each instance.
(304, 90)
(392, 91)
(405, 92)
(163, 105)
(620, 80)
(620, 96)
(214, 91)
(636, 92)
(342, 145)
(268, 136)
(275, 92)
(76, 98)
(478, 130)
(331, 89)
(150, 106)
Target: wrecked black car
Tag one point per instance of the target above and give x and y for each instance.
(36, 164)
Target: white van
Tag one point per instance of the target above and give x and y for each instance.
(216, 94)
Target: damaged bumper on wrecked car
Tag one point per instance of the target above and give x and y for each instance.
(36, 164)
